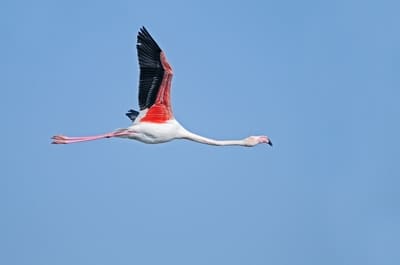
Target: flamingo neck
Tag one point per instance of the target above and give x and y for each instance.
(204, 140)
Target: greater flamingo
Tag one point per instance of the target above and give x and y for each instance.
(155, 123)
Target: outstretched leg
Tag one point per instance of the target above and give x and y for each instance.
(61, 139)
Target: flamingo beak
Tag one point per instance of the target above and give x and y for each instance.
(269, 142)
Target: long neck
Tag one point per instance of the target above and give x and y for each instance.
(200, 139)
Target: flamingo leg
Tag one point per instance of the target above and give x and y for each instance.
(61, 139)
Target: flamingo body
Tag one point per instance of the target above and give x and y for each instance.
(154, 132)
(155, 122)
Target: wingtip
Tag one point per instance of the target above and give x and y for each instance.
(144, 32)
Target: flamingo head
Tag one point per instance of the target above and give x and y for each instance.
(255, 140)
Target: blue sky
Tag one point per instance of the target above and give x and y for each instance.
(319, 77)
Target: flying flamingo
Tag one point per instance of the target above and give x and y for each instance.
(155, 123)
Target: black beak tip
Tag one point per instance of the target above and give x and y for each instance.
(270, 143)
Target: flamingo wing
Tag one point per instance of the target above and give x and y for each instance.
(154, 83)
(151, 70)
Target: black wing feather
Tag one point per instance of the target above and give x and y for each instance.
(151, 69)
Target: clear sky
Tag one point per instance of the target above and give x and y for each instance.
(321, 78)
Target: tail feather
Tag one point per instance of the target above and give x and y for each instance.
(132, 114)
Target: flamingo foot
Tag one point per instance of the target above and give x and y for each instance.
(61, 139)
